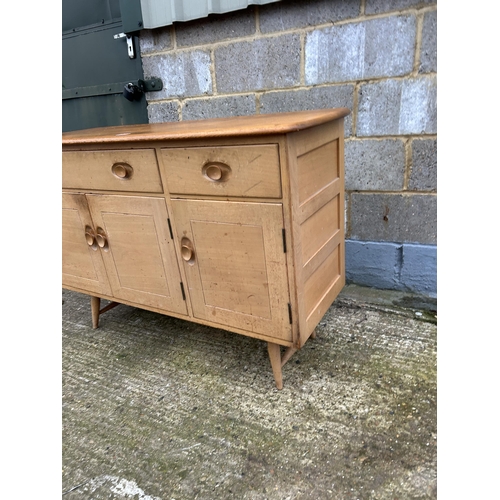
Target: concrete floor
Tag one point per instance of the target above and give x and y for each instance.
(159, 408)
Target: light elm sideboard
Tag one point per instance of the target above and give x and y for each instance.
(235, 223)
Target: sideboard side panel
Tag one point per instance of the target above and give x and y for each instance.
(317, 186)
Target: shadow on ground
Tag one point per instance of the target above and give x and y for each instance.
(156, 408)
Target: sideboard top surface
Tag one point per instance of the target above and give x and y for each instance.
(276, 123)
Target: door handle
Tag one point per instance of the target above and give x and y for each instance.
(187, 250)
(101, 239)
(90, 237)
(130, 43)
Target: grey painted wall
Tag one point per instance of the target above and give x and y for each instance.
(376, 57)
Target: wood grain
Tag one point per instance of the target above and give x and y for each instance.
(82, 265)
(275, 123)
(238, 275)
(251, 171)
(317, 186)
(94, 170)
(140, 258)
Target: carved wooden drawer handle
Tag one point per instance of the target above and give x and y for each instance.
(187, 250)
(122, 170)
(216, 171)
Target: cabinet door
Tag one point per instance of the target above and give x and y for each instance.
(235, 264)
(138, 251)
(82, 264)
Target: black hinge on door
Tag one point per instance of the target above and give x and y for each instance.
(283, 232)
(183, 292)
(290, 312)
(131, 93)
(170, 229)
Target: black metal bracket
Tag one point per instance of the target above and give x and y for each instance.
(149, 85)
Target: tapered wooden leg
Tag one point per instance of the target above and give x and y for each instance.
(313, 334)
(95, 304)
(275, 357)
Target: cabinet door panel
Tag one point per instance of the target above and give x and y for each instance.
(82, 265)
(237, 269)
(138, 251)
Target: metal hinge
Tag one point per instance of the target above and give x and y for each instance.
(283, 232)
(290, 312)
(130, 43)
(183, 292)
(170, 229)
(150, 85)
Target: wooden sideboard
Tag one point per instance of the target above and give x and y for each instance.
(235, 223)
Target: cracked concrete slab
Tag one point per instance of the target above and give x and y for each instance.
(156, 408)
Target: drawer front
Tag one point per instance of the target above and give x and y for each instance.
(126, 170)
(239, 171)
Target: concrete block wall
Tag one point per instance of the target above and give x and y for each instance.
(377, 58)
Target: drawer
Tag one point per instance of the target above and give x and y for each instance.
(117, 170)
(238, 171)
